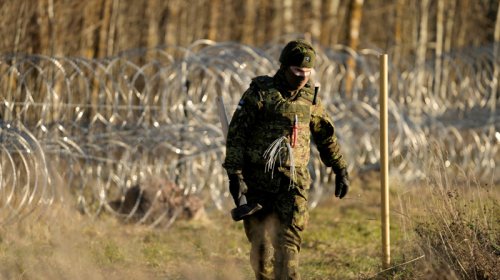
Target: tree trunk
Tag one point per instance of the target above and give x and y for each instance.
(104, 30)
(45, 21)
(214, 19)
(450, 20)
(398, 31)
(115, 7)
(329, 22)
(181, 24)
(89, 30)
(495, 88)
(287, 16)
(355, 23)
(420, 59)
(225, 29)
(152, 14)
(276, 22)
(447, 44)
(463, 26)
(315, 28)
(353, 39)
(248, 22)
(198, 15)
(439, 48)
(171, 28)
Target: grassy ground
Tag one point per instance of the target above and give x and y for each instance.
(342, 241)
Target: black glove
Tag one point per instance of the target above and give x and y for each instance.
(341, 183)
(235, 185)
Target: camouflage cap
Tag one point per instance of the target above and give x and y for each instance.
(298, 53)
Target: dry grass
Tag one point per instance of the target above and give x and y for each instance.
(66, 245)
(454, 225)
(453, 219)
(63, 245)
(457, 228)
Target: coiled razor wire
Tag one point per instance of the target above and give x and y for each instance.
(85, 131)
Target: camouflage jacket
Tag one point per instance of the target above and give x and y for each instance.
(265, 113)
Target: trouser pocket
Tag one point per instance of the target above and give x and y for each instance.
(300, 213)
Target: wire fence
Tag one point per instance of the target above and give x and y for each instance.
(86, 131)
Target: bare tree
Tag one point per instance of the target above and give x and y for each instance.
(463, 12)
(439, 45)
(421, 55)
(226, 20)
(398, 30)
(315, 27)
(247, 34)
(153, 12)
(354, 27)
(214, 18)
(330, 20)
(198, 19)
(90, 29)
(115, 7)
(103, 49)
(181, 25)
(45, 20)
(97, 28)
(287, 16)
(495, 88)
(171, 28)
(276, 27)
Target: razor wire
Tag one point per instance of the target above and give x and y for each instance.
(86, 130)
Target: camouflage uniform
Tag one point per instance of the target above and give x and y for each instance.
(266, 112)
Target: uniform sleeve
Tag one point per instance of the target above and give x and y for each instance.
(239, 129)
(323, 133)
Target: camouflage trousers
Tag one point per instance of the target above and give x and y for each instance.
(275, 231)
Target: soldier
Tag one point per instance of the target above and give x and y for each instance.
(268, 148)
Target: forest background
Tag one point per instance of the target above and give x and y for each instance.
(102, 28)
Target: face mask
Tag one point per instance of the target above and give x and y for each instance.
(296, 77)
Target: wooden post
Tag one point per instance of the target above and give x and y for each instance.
(384, 162)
